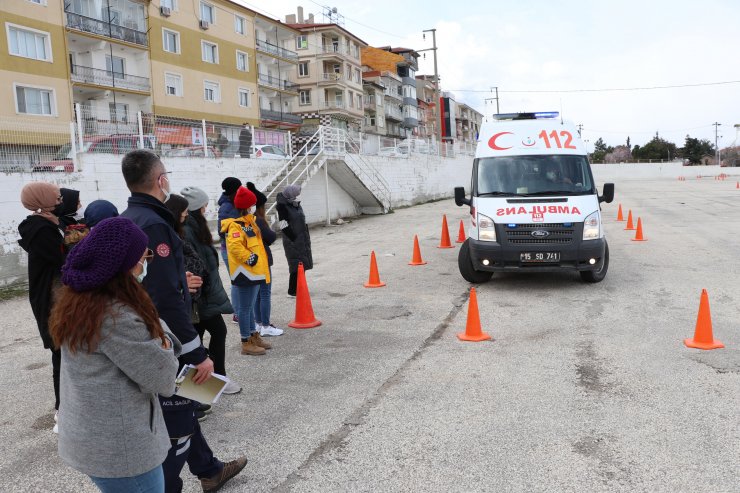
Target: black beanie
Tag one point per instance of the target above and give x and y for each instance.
(261, 198)
(230, 185)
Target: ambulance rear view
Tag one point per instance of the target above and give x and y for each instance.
(534, 206)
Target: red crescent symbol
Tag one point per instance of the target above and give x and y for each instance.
(492, 141)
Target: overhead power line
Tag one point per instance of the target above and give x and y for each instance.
(612, 89)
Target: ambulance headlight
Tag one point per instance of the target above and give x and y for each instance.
(486, 228)
(592, 227)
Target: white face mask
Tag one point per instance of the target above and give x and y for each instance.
(251, 210)
(140, 277)
(297, 199)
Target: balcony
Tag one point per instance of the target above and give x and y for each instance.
(333, 105)
(277, 51)
(370, 103)
(393, 113)
(330, 78)
(105, 78)
(277, 83)
(100, 27)
(277, 116)
(334, 51)
(409, 122)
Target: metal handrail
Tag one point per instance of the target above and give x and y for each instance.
(278, 83)
(104, 28)
(109, 78)
(268, 47)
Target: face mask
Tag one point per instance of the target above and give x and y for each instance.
(77, 216)
(165, 192)
(58, 210)
(297, 199)
(251, 210)
(140, 277)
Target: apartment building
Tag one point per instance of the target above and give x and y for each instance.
(468, 123)
(329, 78)
(277, 65)
(374, 103)
(392, 99)
(425, 95)
(203, 61)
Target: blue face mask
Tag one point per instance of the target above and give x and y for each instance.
(140, 277)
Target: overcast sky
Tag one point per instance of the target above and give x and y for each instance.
(541, 45)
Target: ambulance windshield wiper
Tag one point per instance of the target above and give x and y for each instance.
(495, 194)
(550, 192)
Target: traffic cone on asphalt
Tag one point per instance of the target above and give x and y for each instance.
(620, 216)
(703, 338)
(737, 185)
(461, 233)
(416, 259)
(473, 331)
(374, 279)
(638, 233)
(444, 242)
(630, 225)
(304, 317)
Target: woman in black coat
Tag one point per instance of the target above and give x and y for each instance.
(44, 242)
(296, 239)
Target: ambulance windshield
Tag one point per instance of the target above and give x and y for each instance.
(534, 175)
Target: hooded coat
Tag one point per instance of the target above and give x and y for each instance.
(44, 242)
(296, 239)
(213, 299)
(70, 199)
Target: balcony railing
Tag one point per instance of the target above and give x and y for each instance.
(277, 83)
(333, 105)
(103, 28)
(393, 112)
(334, 49)
(275, 50)
(369, 102)
(330, 77)
(277, 116)
(118, 80)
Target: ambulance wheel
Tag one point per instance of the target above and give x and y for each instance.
(465, 264)
(597, 275)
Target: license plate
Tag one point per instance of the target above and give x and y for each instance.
(539, 257)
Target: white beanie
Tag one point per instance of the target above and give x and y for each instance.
(196, 197)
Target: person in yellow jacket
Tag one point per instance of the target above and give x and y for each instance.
(248, 267)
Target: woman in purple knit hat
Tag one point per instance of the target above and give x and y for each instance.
(117, 356)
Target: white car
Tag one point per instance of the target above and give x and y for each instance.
(399, 151)
(269, 152)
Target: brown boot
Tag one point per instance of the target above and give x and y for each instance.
(249, 347)
(230, 470)
(258, 341)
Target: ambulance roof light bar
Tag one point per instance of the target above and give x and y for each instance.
(540, 115)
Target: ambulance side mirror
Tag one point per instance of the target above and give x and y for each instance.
(460, 197)
(608, 195)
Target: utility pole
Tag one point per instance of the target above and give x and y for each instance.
(716, 140)
(495, 88)
(437, 108)
(580, 129)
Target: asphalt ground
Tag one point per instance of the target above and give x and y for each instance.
(584, 388)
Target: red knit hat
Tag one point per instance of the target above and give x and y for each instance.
(244, 199)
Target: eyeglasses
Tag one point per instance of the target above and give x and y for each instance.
(149, 255)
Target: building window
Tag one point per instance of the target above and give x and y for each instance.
(209, 52)
(38, 2)
(240, 24)
(34, 101)
(29, 43)
(242, 61)
(118, 112)
(359, 101)
(351, 99)
(212, 91)
(349, 73)
(301, 42)
(115, 66)
(207, 13)
(358, 77)
(244, 98)
(170, 4)
(381, 121)
(305, 97)
(170, 41)
(173, 84)
(303, 69)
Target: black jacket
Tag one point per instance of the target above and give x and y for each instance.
(165, 280)
(268, 237)
(70, 199)
(213, 298)
(296, 240)
(44, 242)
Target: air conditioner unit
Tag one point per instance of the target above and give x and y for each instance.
(165, 11)
(205, 24)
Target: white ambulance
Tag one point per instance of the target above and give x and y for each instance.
(534, 206)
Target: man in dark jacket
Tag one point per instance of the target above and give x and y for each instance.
(245, 142)
(167, 284)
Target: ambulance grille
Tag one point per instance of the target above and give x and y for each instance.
(559, 234)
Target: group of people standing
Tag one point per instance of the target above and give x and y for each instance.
(123, 302)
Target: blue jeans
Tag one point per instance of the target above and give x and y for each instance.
(234, 299)
(148, 482)
(263, 305)
(247, 296)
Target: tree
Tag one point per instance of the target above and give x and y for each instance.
(628, 143)
(620, 154)
(600, 151)
(658, 149)
(694, 149)
(730, 156)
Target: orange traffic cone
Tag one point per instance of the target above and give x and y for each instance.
(630, 225)
(416, 259)
(304, 317)
(703, 338)
(620, 216)
(638, 233)
(461, 233)
(473, 331)
(444, 242)
(737, 185)
(374, 279)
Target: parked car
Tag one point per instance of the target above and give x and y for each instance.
(192, 151)
(104, 144)
(262, 151)
(398, 151)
